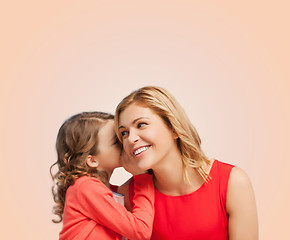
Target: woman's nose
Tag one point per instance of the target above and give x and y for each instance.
(133, 137)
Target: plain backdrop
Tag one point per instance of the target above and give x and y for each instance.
(226, 62)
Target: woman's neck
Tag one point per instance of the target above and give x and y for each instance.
(169, 178)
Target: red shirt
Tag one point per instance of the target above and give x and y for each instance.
(200, 215)
(90, 212)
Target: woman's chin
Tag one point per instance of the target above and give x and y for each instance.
(144, 166)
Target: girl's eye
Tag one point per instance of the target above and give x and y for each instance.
(141, 125)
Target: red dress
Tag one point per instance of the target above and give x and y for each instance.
(200, 215)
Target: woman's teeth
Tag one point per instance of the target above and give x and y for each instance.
(139, 150)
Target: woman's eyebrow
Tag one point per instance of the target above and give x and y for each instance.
(134, 121)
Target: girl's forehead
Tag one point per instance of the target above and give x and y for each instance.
(107, 131)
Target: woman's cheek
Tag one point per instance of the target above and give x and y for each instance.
(125, 147)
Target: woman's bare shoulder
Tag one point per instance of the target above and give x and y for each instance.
(240, 191)
(239, 179)
(241, 206)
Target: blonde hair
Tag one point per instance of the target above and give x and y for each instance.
(173, 115)
(77, 138)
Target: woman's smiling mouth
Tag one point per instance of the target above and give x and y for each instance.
(140, 150)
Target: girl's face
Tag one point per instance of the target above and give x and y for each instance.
(146, 138)
(109, 148)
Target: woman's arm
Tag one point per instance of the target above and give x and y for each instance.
(241, 207)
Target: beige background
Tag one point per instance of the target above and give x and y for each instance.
(226, 62)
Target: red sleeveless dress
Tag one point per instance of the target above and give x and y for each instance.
(200, 215)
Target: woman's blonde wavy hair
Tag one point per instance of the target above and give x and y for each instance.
(165, 105)
(77, 138)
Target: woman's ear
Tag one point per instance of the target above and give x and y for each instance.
(175, 135)
(92, 161)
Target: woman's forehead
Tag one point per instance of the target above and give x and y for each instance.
(132, 112)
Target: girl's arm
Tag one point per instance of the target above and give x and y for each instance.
(241, 207)
(97, 203)
(125, 190)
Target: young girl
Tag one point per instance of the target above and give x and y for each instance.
(195, 197)
(87, 153)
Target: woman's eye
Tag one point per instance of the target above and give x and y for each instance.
(124, 133)
(141, 125)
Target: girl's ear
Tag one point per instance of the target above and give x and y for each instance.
(92, 161)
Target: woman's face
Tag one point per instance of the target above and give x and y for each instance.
(146, 138)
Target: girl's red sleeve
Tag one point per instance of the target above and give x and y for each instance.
(96, 202)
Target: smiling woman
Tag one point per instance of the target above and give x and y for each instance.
(199, 197)
(157, 139)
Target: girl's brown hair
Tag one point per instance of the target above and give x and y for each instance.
(77, 138)
(165, 105)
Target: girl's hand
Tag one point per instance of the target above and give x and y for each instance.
(130, 165)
